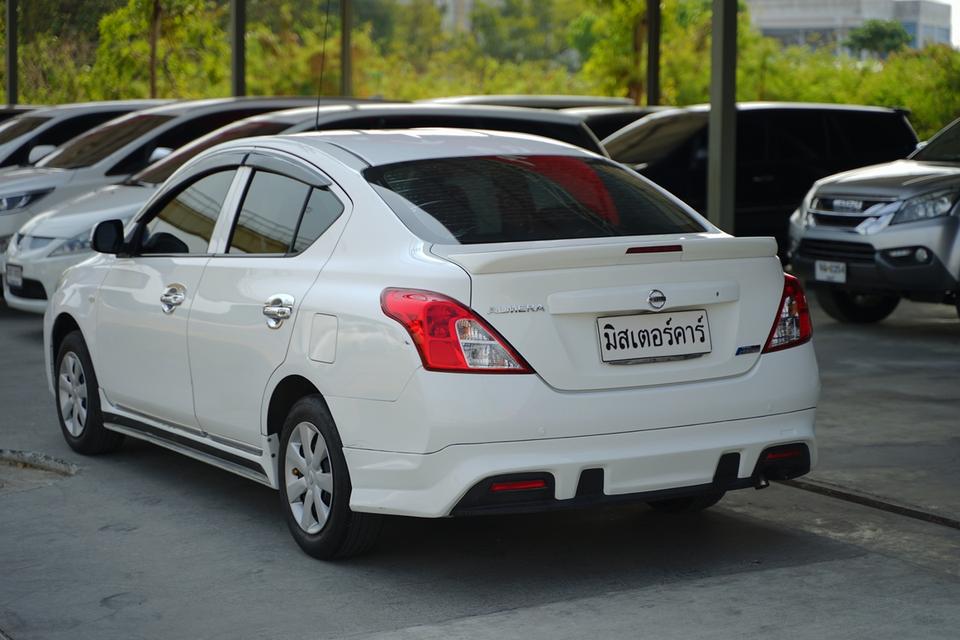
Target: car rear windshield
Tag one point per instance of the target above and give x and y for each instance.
(480, 199)
(99, 143)
(944, 147)
(19, 126)
(160, 171)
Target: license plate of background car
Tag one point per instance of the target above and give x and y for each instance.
(14, 275)
(829, 271)
(650, 337)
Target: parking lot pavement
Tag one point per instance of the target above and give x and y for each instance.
(147, 544)
(888, 422)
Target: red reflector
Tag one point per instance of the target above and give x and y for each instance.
(662, 248)
(518, 485)
(782, 455)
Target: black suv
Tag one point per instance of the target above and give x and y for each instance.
(782, 149)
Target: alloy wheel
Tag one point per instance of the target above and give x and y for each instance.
(72, 386)
(308, 474)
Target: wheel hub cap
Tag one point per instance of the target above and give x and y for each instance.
(308, 475)
(72, 393)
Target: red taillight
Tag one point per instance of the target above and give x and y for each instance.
(518, 485)
(792, 325)
(448, 335)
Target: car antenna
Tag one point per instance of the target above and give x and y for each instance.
(323, 62)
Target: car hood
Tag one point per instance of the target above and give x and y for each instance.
(19, 180)
(900, 179)
(119, 201)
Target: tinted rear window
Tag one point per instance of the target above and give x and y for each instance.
(95, 145)
(19, 126)
(163, 169)
(873, 137)
(476, 200)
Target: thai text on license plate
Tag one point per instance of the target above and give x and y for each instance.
(643, 337)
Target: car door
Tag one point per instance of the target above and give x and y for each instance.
(241, 322)
(145, 300)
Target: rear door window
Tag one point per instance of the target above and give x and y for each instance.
(476, 200)
(872, 137)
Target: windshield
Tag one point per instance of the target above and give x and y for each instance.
(482, 199)
(944, 147)
(654, 137)
(160, 171)
(95, 145)
(19, 126)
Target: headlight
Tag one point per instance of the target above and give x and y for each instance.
(77, 244)
(930, 205)
(16, 201)
(4, 242)
(805, 219)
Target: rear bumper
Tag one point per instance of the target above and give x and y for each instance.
(635, 466)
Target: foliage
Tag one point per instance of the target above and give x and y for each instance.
(880, 37)
(401, 51)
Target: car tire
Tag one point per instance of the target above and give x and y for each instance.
(856, 308)
(689, 504)
(78, 400)
(312, 461)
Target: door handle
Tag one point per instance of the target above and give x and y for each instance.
(277, 308)
(172, 297)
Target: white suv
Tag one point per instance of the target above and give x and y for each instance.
(432, 323)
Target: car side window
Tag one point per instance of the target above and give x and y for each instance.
(267, 222)
(281, 216)
(184, 225)
(323, 209)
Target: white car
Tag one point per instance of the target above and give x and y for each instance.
(435, 322)
(59, 237)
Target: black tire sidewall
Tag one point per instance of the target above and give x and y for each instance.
(840, 305)
(328, 541)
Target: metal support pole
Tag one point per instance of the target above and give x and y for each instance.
(346, 49)
(238, 47)
(653, 52)
(721, 167)
(12, 52)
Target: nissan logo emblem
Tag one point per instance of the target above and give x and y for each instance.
(656, 299)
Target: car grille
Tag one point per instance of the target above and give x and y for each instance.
(828, 205)
(828, 220)
(832, 250)
(31, 290)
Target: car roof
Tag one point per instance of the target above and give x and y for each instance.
(387, 146)
(532, 100)
(217, 104)
(328, 113)
(758, 106)
(94, 107)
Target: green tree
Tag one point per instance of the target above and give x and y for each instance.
(879, 37)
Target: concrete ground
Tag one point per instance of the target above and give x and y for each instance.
(148, 544)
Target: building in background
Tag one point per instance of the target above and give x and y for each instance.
(828, 23)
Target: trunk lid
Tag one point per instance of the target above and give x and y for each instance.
(568, 305)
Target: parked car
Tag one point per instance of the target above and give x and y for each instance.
(27, 138)
(13, 110)
(416, 322)
(605, 121)
(869, 237)
(534, 101)
(115, 150)
(60, 237)
(781, 149)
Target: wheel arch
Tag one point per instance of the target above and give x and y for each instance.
(285, 394)
(64, 325)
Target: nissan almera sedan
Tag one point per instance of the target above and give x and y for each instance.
(432, 323)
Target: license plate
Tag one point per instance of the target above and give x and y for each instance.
(829, 271)
(14, 275)
(654, 336)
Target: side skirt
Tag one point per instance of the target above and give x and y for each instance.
(225, 460)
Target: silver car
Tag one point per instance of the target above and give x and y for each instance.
(869, 237)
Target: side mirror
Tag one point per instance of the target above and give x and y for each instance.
(159, 153)
(108, 237)
(39, 152)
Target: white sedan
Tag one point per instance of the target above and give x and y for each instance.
(435, 322)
